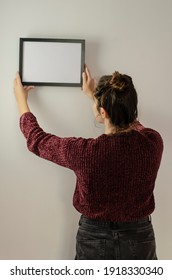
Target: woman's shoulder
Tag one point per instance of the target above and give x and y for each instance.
(152, 133)
(143, 130)
(152, 137)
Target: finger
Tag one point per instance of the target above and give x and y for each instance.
(30, 88)
(84, 77)
(18, 79)
(27, 88)
(88, 73)
(15, 82)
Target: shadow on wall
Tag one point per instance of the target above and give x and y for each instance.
(92, 57)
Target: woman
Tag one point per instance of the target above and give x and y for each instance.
(115, 172)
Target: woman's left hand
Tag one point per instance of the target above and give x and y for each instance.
(20, 91)
(21, 94)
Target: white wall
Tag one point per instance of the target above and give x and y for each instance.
(37, 218)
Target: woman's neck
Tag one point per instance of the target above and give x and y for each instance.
(111, 129)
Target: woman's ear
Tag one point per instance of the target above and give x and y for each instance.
(103, 113)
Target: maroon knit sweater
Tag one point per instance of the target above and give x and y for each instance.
(115, 174)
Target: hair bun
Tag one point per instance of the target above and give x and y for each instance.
(117, 81)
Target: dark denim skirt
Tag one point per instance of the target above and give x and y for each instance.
(100, 240)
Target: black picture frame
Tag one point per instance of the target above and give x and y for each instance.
(51, 62)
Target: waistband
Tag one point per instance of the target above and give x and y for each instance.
(110, 224)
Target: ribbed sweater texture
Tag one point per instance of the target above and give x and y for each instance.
(115, 175)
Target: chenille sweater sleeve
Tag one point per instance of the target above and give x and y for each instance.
(45, 145)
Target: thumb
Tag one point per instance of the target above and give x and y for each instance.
(18, 79)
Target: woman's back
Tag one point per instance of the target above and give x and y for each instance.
(116, 175)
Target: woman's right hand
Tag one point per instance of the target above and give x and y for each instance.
(88, 84)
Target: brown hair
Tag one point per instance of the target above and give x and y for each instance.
(117, 96)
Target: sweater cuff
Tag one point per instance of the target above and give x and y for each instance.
(27, 116)
(26, 119)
